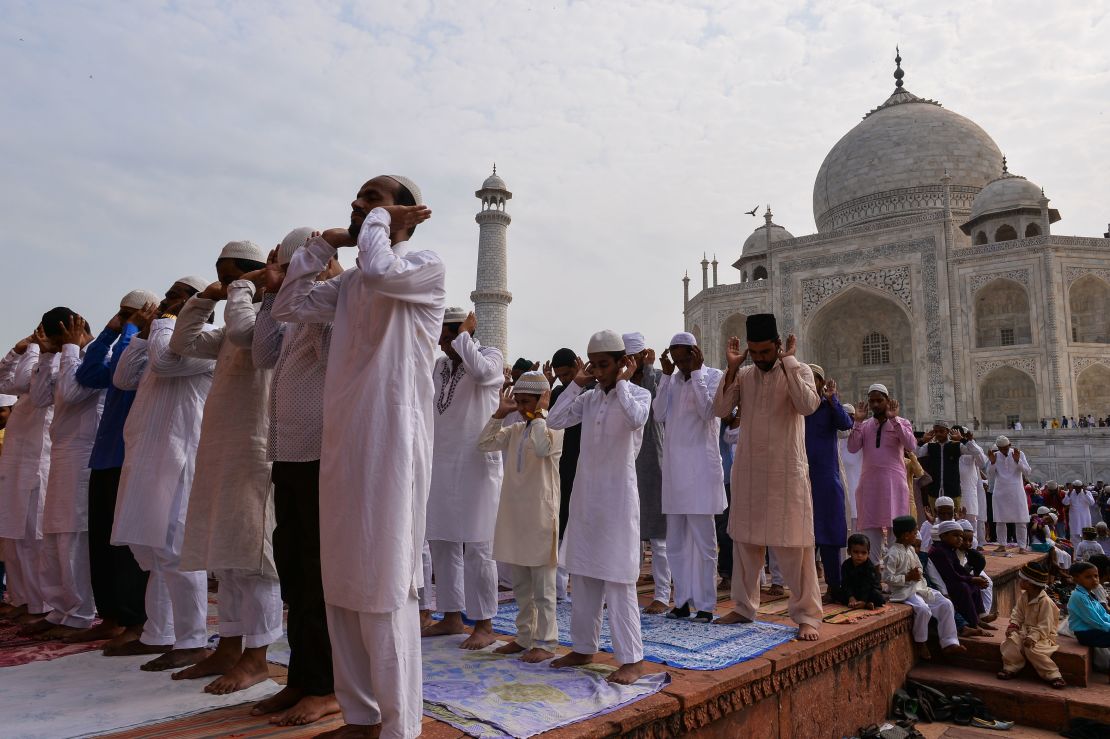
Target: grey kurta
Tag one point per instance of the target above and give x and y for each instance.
(649, 468)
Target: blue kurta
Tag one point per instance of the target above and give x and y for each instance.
(830, 526)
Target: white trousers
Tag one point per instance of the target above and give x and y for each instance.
(66, 582)
(939, 607)
(692, 550)
(1021, 532)
(376, 659)
(176, 601)
(534, 591)
(561, 574)
(988, 595)
(878, 544)
(587, 608)
(799, 570)
(466, 578)
(427, 593)
(660, 568)
(250, 607)
(776, 571)
(21, 564)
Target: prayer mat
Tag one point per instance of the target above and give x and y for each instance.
(88, 694)
(774, 607)
(492, 696)
(678, 643)
(20, 650)
(851, 615)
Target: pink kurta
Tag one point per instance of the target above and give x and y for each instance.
(882, 493)
(771, 500)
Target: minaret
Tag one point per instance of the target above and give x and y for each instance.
(704, 272)
(714, 263)
(491, 294)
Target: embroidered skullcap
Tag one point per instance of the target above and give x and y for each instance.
(137, 299)
(818, 370)
(942, 423)
(293, 240)
(605, 341)
(1033, 573)
(531, 383)
(564, 358)
(634, 342)
(947, 527)
(243, 250)
(966, 525)
(410, 186)
(522, 365)
(1043, 510)
(7, 400)
(878, 387)
(1002, 441)
(1077, 484)
(1089, 531)
(762, 327)
(455, 314)
(904, 525)
(683, 338)
(944, 500)
(197, 283)
(1053, 516)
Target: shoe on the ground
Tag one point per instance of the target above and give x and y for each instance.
(703, 617)
(682, 611)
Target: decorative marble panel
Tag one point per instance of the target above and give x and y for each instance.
(1071, 274)
(1078, 364)
(1025, 364)
(816, 291)
(1017, 275)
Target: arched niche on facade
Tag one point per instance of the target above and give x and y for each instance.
(1005, 395)
(734, 325)
(1002, 314)
(1092, 391)
(1032, 230)
(1005, 232)
(981, 237)
(862, 337)
(1089, 298)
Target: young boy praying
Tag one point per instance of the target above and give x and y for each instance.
(860, 584)
(526, 536)
(964, 589)
(1031, 635)
(1089, 619)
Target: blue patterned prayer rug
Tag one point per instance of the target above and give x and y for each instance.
(683, 644)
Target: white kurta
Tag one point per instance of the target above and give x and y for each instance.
(72, 433)
(230, 516)
(466, 482)
(851, 466)
(25, 463)
(693, 479)
(1079, 504)
(970, 482)
(602, 538)
(376, 458)
(1010, 505)
(161, 436)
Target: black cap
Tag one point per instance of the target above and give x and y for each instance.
(762, 327)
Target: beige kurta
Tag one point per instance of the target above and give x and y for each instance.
(771, 500)
(231, 508)
(527, 530)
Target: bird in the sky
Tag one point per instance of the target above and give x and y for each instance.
(752, 211)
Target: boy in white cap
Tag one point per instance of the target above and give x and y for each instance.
(466, 482)
(945, 511)
(1008, 466)
(693, 478)
(603, 537)
(387, 313)
(527, 533)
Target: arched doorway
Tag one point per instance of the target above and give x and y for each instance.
(1092, 391)
(1002, 314)
(1005, 395)
(734, 325)
(1089, 298)
(862, 337)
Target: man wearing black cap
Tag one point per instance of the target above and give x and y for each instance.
(774, 394)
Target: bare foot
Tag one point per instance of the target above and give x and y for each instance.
(34, 626)
(807, 632)
(953, 650)
(29, 618)
(352, 731)
(426, 619)
(249, 670)
(128, 635)
(308, 709)
(657, 606)
(536, 655)
(968, 631)
(985, 626)
(481, 637)
(628, 674)
(989, 618)
(574, 659)
(132, 648)
(923, 652)
(285, 698)
(176, 658)
(11, 613)
(103, 630)
(511, 648)
(217, 663)
(55, 632)
(732, 617)
(451, 624)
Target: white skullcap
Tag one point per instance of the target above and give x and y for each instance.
(942, 423)
(197, 283)
(849, 409)
(410, 186)
(944, 500)
(683, 338)
(1099, 525)
(966, 525)
(945, 527)
(818, 370)
(7, 400)
(531, 383)
(1077, 483)
(878, 387)
(605, 341)
(243, 250)
(1002, 441)
(455, 314)
(293, 240)
(1043, 510)
(137, 299)
(634, 342)
(1053, 516)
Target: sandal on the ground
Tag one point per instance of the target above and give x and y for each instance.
(1059, 683)
(1006, 675)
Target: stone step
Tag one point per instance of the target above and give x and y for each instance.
(984, 655)
(1029, 702)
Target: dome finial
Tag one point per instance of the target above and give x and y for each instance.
(1005, 169)
(767, 215)
(898, 73)
(495, 167)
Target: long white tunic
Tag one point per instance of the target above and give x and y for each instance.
(376, 457)
(25, 463)
(603, 531)
(161, 436)
(693, 479)
(466, 482)
(230, 517)
(1079, 504)
(72, 433)
(1010, 505)
(970, 482)
(851, 465)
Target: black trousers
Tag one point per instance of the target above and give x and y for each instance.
(297, 556)
(118, 583)
(724, 541)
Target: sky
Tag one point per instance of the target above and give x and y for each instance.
(139, 137)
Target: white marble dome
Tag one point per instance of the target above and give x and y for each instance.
(494, 182)
(891, 164)
(1008, 192)
(757, 242)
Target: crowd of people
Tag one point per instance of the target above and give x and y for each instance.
(314, 451)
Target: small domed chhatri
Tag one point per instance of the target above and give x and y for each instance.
(1008, 206)
(494, 181)
(760, 238)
